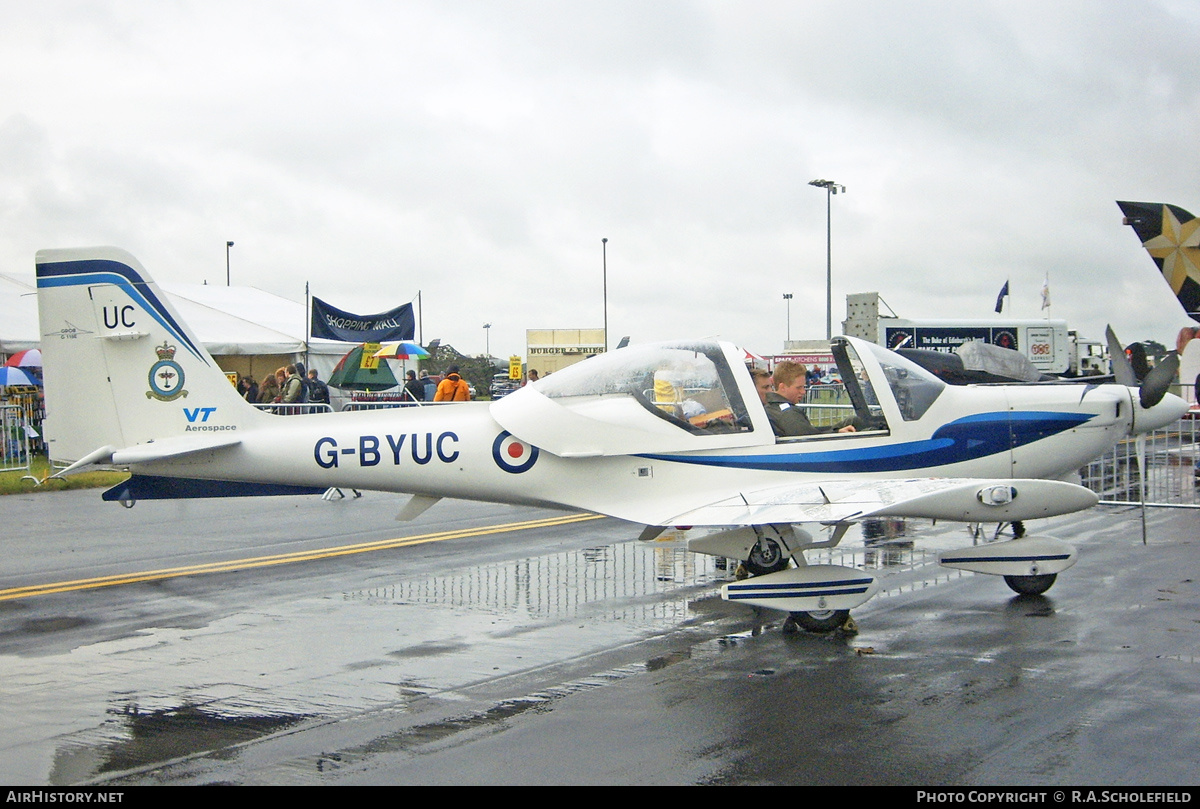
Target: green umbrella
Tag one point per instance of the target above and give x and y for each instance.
(350, 372)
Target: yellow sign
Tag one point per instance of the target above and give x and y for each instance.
(232, 377)
(514, 367)
(369, 360)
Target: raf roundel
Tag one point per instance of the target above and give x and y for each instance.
(512, 454)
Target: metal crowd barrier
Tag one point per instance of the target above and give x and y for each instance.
(281, 409)
(1171, 476)
(827, 415)
(34, 409)
(826, 405)
(826, 394)
(351, 407)
(14, 439)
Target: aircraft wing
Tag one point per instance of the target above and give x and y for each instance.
(966, 500)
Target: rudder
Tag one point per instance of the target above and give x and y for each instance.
(120, 367)
(1170, 236)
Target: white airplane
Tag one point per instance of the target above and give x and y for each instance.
(668, 434)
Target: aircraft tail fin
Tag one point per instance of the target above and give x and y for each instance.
(119, 365)
(1171, 236)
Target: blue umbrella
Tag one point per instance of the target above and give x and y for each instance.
(399, 350)
(16, 376)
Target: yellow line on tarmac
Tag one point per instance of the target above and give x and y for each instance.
(284, 558)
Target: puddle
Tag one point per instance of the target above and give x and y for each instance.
(140, 738)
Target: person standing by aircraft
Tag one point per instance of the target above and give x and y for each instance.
(453, 388)
(302, 372)
(787, 419)
(293, 387)
(318, 391)
(248, 388)
(414, 390)
(281, 376)
(268, 391)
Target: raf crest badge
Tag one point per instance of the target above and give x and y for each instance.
(166, 376)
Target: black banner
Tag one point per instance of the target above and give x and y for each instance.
(329, 323)
(948, 338)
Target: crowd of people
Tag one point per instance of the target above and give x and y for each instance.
(293, 385)
(290, 385)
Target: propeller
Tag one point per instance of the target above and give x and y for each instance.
(1153, 386)
(1138, 360)
(1154, 382)
(1122, 370)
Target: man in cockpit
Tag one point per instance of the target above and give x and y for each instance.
(762, 383)
(786, 418)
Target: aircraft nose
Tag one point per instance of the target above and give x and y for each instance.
(1168, 411)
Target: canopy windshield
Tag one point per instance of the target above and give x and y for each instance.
(915, 388)
(688, 384)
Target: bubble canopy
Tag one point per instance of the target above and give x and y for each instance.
(660, 374)
(642, 398)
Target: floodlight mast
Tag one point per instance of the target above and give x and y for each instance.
(831, 188)
(604, 261)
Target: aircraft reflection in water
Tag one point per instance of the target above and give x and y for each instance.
(658, 434)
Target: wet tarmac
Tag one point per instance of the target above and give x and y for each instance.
(298, 641)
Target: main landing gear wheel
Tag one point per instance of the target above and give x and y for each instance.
(1031, 585)
(820, 620)
(765, 557)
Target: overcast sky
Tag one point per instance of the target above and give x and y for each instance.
(478, 152)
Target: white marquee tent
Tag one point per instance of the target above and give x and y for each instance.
(238, 325)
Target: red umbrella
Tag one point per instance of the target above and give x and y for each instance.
(32, 358)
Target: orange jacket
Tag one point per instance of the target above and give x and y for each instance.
(452, 389)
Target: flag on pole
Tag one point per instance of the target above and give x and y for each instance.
(1000, 298)
(1046, 292)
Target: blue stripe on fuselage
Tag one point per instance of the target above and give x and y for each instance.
(965, 439)
(106, 271)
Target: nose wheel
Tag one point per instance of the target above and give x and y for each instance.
(767, 556)
(819, 620)
(1031, 585)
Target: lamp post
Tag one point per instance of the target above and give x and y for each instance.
(831, 188)
(227, 246)
(487, 340)
(604, 253)
(787, 296)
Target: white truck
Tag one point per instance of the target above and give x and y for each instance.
(1049, 344)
